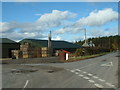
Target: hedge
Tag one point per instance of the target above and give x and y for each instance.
(90, 51)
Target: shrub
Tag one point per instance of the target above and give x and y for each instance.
(90, 51)
(79, 52)
(95, 50)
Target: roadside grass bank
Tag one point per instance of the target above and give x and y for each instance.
(49, 59)
(85, 57)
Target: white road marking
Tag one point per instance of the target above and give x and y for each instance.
(113, 85)
(101, 80)
(77, 69)
(98, 85)
(95, 77)
(76, 73)
(90, 74)
(107, 64)
(86, 77)
(111, 63)
(84, 72)
(110, 84)
(27, 81)
(81, 75)
(72, 71)
(91, 81)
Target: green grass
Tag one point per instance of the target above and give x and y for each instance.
(85, 57)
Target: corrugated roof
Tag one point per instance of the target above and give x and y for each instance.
(55, 44)
(6, 40)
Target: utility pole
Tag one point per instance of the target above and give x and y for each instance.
(109, 43)
(85, 36)
(49, 45)
(85, 44)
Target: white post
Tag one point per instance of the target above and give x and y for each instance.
(66, 56)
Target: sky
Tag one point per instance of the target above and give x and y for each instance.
(59, 0)
(66, 20)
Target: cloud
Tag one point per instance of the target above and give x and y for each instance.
(23, 27)
(98, 18)
(38, 14)
(56, 38)
(68, 30)
(8, 26)
(77, 38)
(96, 32)
(19, 30)
(46, 21)
(57, 15)
(104, 32)
(56, 18)
(19, 36)
(62, 30)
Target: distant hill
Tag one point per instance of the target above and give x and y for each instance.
(110, 42)
(57, 44)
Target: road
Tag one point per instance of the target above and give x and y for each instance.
(99, 72)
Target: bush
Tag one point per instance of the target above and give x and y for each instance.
(95, 50)
(79, 52)
(90, 51)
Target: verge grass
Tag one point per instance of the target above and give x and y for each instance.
(72, 59)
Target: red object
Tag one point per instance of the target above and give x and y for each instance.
(65, 51)
(62, 54)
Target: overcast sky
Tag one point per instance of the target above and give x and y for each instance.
(66, 20)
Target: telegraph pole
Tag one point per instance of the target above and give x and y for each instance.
(49, 45)
(85, 36)
(109, 43)
(85, 44)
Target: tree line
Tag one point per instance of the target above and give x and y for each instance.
(108, 42)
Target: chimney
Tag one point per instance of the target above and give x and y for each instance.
(86, 42)
(49, 45)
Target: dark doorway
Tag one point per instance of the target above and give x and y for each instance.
(10, 53)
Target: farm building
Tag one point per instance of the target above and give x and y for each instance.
(6, 46)
(56, 45)
(41, 46)
(33, 48)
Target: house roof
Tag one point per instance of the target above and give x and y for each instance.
(65, 51)
(6, 40)
(55, 43)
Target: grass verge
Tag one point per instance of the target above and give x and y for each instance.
(85, 57)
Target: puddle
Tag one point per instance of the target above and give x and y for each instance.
(118, 56)
(23, 70)
(50, 71)
(104, 60)
(4, 63)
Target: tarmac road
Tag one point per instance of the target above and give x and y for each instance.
(99, 72)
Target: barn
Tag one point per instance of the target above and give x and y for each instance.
(55, 44)
(6, 45)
